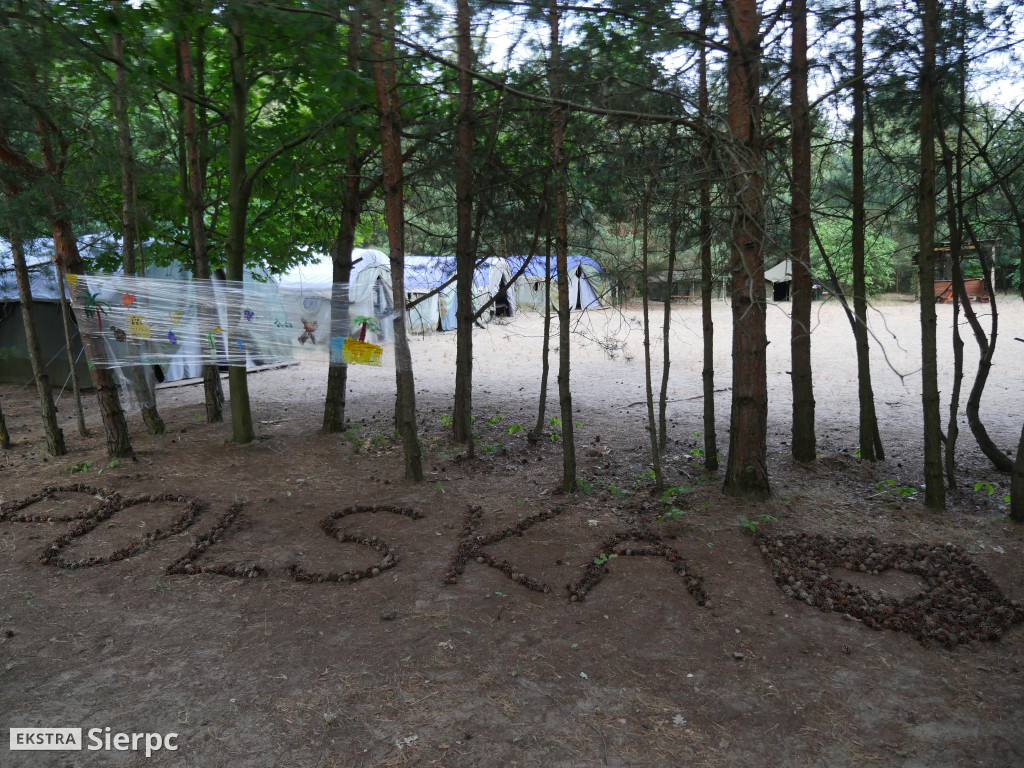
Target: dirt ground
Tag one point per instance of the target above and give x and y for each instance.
(294, 602)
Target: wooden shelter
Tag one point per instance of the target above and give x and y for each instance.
(974, 286)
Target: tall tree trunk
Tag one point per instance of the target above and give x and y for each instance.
(465, 256)
(66, 254)
(935, 490)
(124, 146)
(987, 350)
(65, 316)
(954, 205)
(143, 386)
(559, 170)
(804, 446)
(239, 192)
(54, 434)
(952, 428)
(673, 236)
(869, 437)
(706, 275)
(195, 206)
(394, 212)
(341, 256)
(746, 474)
(652, 426)
(545, 363)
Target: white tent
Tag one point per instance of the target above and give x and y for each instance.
(492, 278)
(307, 289)
(425, 278)
(588, 284)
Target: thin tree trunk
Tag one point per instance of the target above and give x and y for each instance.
(54, 434)
(804, 446)
(65, 314)
(142, 385)
(935, 490)
(391, 157)
(954, 206)
(545, 363)
(952, 428)
(1017, 483)
(652, 427)
(987, 350)
(746, 473)
(239, 191)
(706, 275)
(116, 427)
(869, 438)
(341, 257)
(68, 258)
(561, 195)
(465, 256)
(673, 234)
(213, 392)
(124, 146)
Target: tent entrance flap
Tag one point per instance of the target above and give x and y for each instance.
(502, 305)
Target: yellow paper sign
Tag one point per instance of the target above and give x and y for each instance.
(138, 328)
(361, 353)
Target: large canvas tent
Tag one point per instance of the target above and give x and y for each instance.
(425, 278)
(15, 366)
(780, 280)
(306, 292)
(429, 282)
(492, 278)
(589, 287)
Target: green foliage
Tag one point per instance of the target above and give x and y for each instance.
(516, 429)
(879, 248)
(752, 524)
(891, 486)
(602, 558)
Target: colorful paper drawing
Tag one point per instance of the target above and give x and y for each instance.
(119, 334)
(138, 328)
(307, 335)
(128, 299)
(209, 337)
(282, 324)
(357, 352)
(171, 337)
(175, 316)
(91, 304)
(240, 344)
(249, 314)
(72, 280)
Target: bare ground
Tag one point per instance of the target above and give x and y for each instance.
(289, 650)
